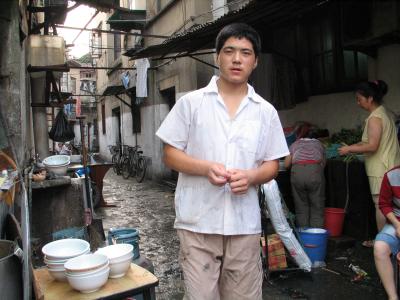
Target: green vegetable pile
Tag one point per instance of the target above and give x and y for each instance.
(347, 136)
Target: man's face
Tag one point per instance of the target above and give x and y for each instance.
(236, 60)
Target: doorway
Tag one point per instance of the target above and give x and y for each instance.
(168, 96)
(116, 126)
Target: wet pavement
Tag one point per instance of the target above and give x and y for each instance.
(148, 207)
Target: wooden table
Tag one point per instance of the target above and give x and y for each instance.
(136, 281)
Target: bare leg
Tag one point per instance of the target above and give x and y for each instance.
(384, 267)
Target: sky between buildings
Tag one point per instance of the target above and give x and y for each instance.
(78, 17)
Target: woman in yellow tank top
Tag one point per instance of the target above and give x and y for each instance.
(379, 142)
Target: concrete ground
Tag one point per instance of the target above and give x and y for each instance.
(148, 207)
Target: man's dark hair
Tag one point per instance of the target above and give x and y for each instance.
(238, 30)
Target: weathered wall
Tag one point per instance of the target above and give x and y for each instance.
(183, 74)
(340, 110)
(14, 95)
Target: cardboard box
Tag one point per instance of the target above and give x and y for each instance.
(276, 253)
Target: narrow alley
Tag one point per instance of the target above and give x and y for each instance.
(149, 207)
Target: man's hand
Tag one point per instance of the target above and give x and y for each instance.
(239, 181)
(217, 174)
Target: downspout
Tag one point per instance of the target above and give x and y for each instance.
(25, 227)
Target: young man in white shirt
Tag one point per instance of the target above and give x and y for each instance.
(224, 140)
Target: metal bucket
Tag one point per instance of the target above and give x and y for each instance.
(10, 271)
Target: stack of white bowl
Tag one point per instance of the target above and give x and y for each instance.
(58, 252)
(120, 256)
(87, 273)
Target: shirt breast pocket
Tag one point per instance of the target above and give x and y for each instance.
(247, 137)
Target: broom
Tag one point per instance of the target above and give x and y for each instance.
(94, 225)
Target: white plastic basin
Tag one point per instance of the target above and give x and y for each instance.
(57, 160)
(58, 164)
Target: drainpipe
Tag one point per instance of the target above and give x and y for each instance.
(26, 232)
(40, 124)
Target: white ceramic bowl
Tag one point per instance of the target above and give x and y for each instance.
(91, 272)
(86, 263)
(54, 261)
(55, 266)
(65, 249)
(49, 261)
(58, 274)
(117, 251)
(119, 268)
(89, 283)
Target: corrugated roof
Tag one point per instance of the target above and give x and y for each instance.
(261, 14)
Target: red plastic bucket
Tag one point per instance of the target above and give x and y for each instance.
(334, 218)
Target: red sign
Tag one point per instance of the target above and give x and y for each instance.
(78, 107)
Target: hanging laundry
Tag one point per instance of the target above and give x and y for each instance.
(141, 78)
(125, 78)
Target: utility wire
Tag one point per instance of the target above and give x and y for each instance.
(95, 14)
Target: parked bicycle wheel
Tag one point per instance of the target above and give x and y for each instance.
(126, 168)
(141, 169)
(114, 160)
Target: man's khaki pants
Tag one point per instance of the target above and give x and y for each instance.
(221, 267)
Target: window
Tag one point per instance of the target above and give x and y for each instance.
(73, 85)
(95, 128)
(131, 4)
(96, 43)
(331, 67)
(117, 46)
(136, 120)
(322, 55)
(103, 118)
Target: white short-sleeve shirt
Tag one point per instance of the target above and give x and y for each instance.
(199, 125)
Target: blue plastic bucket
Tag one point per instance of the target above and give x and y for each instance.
(125, 236)
(314, 242)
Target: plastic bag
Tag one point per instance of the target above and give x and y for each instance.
(61, 131)
(281, 226)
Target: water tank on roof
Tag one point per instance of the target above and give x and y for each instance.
(45, 50)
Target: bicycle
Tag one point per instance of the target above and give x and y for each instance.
(134, 164)
(115, 150)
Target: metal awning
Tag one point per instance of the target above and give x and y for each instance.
(260, 14)
(126, 19)
(116, 90)
(113, 90)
